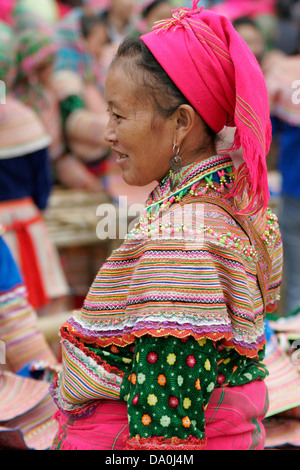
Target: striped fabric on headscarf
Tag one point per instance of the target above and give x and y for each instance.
(216, 71)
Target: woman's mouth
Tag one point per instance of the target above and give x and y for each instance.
(121, 156)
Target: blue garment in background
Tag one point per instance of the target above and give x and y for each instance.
(288, 156)
(288, 138)
(26, 176)
(10, 276)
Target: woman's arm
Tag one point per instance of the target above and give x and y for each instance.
(167, 392)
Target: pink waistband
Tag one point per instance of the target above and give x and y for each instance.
(233, 422)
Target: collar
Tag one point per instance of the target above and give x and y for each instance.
(210, 169)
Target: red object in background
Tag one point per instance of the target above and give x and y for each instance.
(6, 10)
(63, 10)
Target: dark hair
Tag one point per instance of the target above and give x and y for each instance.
(284, 8)
(87, 22)
(245, 20)
(147, 10)
(73, 3)
(164, 93)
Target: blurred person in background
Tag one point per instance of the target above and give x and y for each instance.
(287, 37)
(29, 363)
(55, 97)
(81, 47)
(252, 35)
(45, 9)
(155, 11)
(79, 81)
(282, 72)
(26, 183)
(119, 16)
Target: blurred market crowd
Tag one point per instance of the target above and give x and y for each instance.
(54, 55)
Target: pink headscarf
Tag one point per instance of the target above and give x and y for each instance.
(216, 71)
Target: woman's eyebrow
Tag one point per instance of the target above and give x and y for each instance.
(113, 103)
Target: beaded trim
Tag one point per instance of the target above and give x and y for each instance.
(191, 187)
(149, 225)
(271, 232)
(167, 229)
(145, 227)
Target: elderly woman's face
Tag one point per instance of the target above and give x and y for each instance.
(141, 140)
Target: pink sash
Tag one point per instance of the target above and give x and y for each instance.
(233, 422)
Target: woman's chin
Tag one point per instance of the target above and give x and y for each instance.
(134, 180)
(131, 181)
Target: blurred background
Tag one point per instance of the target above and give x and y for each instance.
(56, 168)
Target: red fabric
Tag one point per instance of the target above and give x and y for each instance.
(6, 11)
(233, 422)
(63, 10)
(106, 429)
(159, 443)
(29, 263)
(216, 71)
(234, 417)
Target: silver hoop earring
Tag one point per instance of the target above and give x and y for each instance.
(175, 167)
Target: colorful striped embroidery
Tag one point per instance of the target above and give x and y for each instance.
(204, 286)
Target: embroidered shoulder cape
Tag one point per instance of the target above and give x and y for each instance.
(191, 272)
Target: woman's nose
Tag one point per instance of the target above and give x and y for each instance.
(110, 135)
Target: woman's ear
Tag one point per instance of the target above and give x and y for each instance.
(185, 120)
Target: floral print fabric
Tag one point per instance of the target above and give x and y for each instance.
(171, 380)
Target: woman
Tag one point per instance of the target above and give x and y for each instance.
(24, 343)
(28, 363)
(172, 330)
(25, 186)
(37, 87)
(82, 43)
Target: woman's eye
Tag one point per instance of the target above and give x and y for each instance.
(116, 116)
